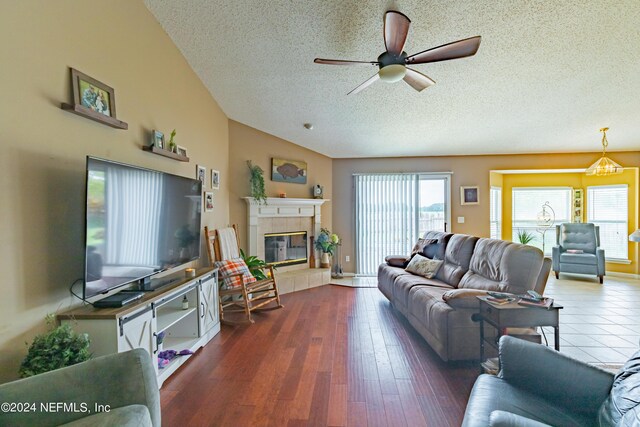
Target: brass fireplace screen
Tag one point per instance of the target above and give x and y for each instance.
(285, 248)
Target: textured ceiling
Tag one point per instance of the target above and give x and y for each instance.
(547, 76)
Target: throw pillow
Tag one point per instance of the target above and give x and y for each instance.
(423, 266)
(421, 245)
(400, 261)
(232, 266)
(575, 251)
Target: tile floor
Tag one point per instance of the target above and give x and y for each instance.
(599, 323)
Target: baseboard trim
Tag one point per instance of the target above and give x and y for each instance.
(626, 275)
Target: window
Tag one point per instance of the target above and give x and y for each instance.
(495, 215)
(527, 207)
(607, 207)
(393, 210)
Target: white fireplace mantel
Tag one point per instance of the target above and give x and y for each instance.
(280, 208)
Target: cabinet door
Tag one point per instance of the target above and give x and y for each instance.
(136, 330)
(208, 309)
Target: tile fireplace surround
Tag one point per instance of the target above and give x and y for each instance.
(282, 215)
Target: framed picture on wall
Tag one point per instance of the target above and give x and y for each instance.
(201, 175)
(208, 201)
(215, 179)
(293, 171)
(93, 94)
(158, 139)
(469, 195)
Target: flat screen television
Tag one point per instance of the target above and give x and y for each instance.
(139, 222)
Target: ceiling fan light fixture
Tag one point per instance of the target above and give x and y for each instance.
(392, 73)
(604, 166)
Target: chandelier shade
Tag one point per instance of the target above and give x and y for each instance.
(604, 166)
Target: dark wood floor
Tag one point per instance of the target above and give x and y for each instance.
(334, 356)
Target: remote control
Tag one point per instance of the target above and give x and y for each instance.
(535, 295)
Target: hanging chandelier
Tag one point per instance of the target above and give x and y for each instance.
(604, 166)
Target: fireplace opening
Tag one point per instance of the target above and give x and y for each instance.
(285, 248)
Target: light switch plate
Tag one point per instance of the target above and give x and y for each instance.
(460, 220)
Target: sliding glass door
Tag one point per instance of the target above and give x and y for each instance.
(393, 210)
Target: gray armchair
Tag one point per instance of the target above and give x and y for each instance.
(537, 386)
(584, 241)
(124, 385)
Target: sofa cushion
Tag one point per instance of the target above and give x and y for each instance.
(426, 306)
(403, 284)
(491, 393)
(126, 416)
(586, 259)
(498, 265)
(456, 259)
(622, 407)
(423, 266)
(386, 278)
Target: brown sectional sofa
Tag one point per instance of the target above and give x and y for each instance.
(440, 308)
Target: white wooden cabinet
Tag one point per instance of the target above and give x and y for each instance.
(159, 313)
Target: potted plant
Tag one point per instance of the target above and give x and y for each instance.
(256, 179)
(58, 348)
(326, 242)
(525, 237)
(173, 147)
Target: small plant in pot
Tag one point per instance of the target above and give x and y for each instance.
(57, 348)
(326, 242)
(525, 237)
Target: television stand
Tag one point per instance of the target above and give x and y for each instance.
(120, 299)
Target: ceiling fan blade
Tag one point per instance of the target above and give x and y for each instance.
(396, 27)
(343, 62)
(454, 50)
(365, 85)
(417, 80)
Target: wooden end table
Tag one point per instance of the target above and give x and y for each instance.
(513, 315)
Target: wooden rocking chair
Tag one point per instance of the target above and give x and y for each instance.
(224, 245)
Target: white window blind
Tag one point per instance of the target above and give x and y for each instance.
(386, 218)
(527, 204)
(495, 215)
(607, 207)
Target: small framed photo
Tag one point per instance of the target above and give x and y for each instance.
(469, 195)
(158, 139)
(182, 151)
(201, 174)
(215, 179)
(208, 201)
(93, 94)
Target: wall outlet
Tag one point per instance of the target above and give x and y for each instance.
(460, 220)
(347, 258)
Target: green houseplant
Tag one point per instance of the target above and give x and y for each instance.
(525, 237)
(256, 265)
(326, 242)
(256, 179)
(57, 348)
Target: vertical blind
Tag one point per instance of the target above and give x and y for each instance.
(495, 215)
(607, 207)
(386, 218)
(527, 204)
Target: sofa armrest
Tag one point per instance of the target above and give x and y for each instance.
(559, 378)
(508, 419)
(555, 258)
(116, 380)
(601, 261)
(463, 298)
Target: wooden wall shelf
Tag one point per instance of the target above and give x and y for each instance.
(92, 115)
(166, 153)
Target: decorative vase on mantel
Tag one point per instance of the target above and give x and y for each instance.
(325, 260)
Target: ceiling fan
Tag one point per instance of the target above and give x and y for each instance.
(393, 63)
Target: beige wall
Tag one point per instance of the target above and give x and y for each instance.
(43, 148)
(247, 143)
(467, 170)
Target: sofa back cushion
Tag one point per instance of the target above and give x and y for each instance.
(622, 407)
(436, 251)
(498, 265)
(581, 237)
(456, 258)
